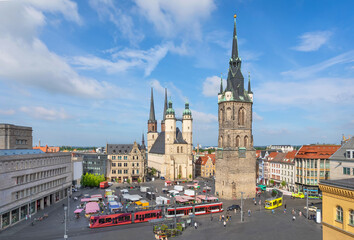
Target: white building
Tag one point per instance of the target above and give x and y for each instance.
(282, 148)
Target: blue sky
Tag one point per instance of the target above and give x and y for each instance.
(80, 72)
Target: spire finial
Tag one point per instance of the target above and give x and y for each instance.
(165, 106)
(234, 54)
(221, 87)
(249, 83)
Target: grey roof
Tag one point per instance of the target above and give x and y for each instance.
(342, 183)
(119, 148)
(152, 109)
(8, 152)
(279, 157)
(159, 145)
(340, 154)
(179, 138)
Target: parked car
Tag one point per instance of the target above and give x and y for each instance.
(234, 206)
(311, 208)
(162, 178)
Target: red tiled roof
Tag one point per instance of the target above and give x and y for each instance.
(291, 155)
(272, 155)
(203, 159)
(258, 153)
(317, 151)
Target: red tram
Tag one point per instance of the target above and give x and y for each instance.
(124, 218)
(199, 210)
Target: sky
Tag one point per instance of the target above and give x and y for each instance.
(80, 72)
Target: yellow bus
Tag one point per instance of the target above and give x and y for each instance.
(272, 203)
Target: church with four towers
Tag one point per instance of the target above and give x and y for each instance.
(170, 150)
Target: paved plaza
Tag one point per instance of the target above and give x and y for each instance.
(262, 224)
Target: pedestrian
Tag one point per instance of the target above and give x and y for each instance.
(195, 225)
(223, 218)
(285, 206)
(224, 224)
(249, 212)
(294, 218)
(255, 202)
(220, 218)
(230, 217)
(235, 210)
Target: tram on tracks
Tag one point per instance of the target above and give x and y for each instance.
(124, 218)
(200, 209)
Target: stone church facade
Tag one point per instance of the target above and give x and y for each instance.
(170, 151)
(235, 171)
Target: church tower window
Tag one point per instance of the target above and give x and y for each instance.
(238, 141)
(177, 149)
(241, 116)
(228, 114)
(246, 141)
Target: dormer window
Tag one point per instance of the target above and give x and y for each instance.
(350, 154)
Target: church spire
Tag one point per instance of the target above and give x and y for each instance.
(234, 54)
(152, 109)
(165, 105)
(221, 87)
(143, 141)
(249, 83)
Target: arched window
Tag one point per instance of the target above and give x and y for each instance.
(241, 116)
(220, 145)
(221, 116)
(181, 149)
(228, 114)
(177, 149)
(228, 141)
(339, 217)
(153, 128)
(351, 217)
(238, 141)
(153, 137)
(245, 142)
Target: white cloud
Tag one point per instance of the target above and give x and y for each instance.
(305, 72)
(7, 112)
(26, 59)
(211, 86)
(157, 86)
(45, 113)
(123, 60)
(106, 9)
(312, 41)
(175, 16)
(201, 117)
(257, 117)
(319, 91)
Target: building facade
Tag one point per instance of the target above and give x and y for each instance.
(31, 180)
(282, 148)
(170, 151)
(312, 165)
(342, 161)
(95, 163)
(15, 137)
(126, 161)
(205, 166)
(338, 209)
(235, 171)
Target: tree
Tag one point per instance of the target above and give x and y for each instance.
(190, 176)
(153, 171)
(283, 183)
(179, 176)
(272, 182)
(139, 181)
(128, 181)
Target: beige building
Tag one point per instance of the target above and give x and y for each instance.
(126, 161)
(170, 151)
(342, 161)
(338, 209)
(31, 180)
(205, 166)
(235, 171)
(15, 137)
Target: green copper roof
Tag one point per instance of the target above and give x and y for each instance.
(170, 109)
(186, 110)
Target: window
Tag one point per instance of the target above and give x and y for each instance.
(113, 171)
(351, 217)
(339, 217)
(177, 149)
(125, 164)
(119, 157)
(350, 154)
(119, 164)
(137, 164)
(113, 164)
(181, 149)
(125, 171)
(133, 172)
(137, 171)
(346, 171)
(119, 171)
(125, 157)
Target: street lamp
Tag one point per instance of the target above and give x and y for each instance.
(242, 206)
(65, 235)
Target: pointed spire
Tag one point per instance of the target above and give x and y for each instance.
(249, 83)
(152, 109)
(234, 54)
(143, 141)
(165, 105)
(221, 87)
